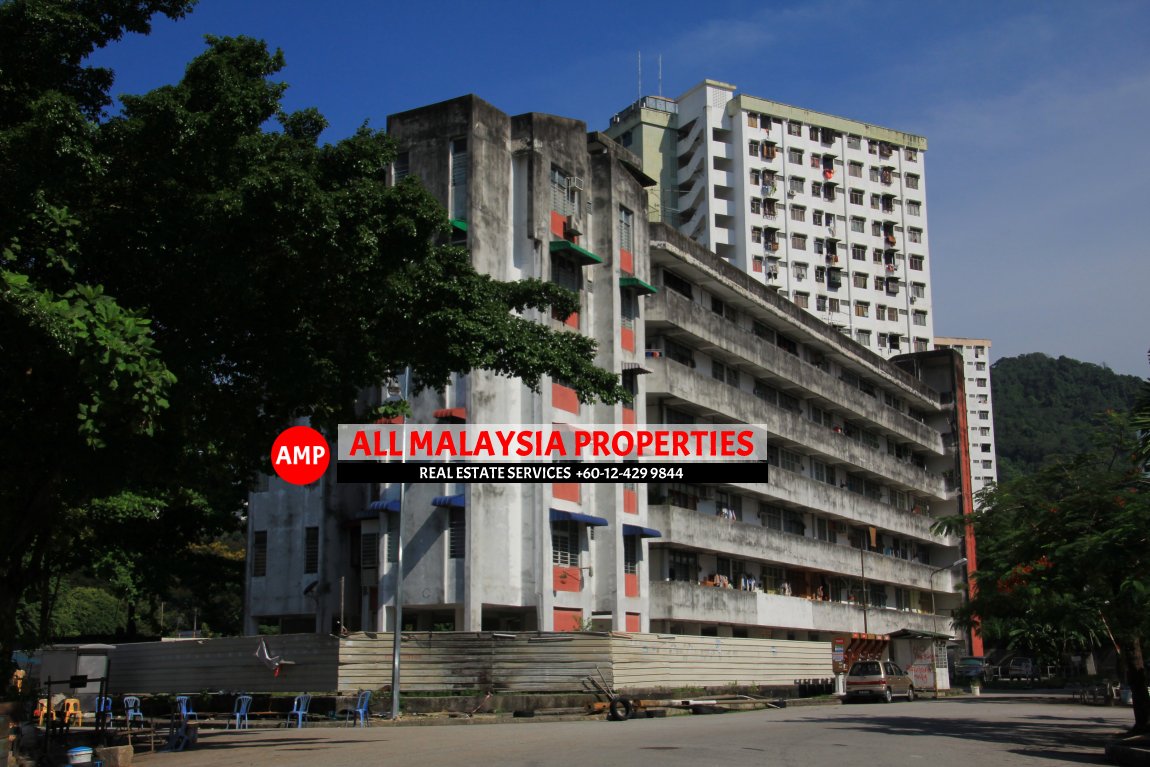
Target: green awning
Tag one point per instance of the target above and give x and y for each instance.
(459, 224)
(586, 257)
(638, 285)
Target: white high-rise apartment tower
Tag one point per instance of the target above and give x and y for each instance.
(975, 354)
(828, 211)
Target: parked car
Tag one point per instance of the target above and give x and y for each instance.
(971, 667)
(1020, 668)
(878, 679)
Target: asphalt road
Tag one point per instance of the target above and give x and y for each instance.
(988, 731)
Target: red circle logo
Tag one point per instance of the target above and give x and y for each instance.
(300, 455)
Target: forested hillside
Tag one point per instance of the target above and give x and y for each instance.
(1044, 407)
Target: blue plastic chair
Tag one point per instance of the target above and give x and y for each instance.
(186, 711)
(299, 710)
(103, 710)
(361, 711)
(240, 712)
(132, 710)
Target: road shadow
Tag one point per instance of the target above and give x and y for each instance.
(1076, 739)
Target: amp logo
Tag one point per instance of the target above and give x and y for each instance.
(300, 455)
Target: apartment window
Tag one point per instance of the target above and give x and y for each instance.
(917, 290)
(817, 218)
(311, 550)
(988, 464)
(756, 206)
(854, 142)
(679, 353)
(892, 314)
(457, 534)
(816, 160)
(985, 447)
(802, 300)
(392, 552)
(980, 366)
(798, 213)
(566, 272)
(796, 184)
(859, 279)
(814, 133)
(683, 566)
(799, 241)
(402, 166)
(626, 229)
(369, 550)
(911, 155)
(911, 180)
(790, 461)
(835, 306)
(565, 543)
(753, 148)
(794, 128)
(772, 517)
(875, 174)
(259, 553)
(459, 178)
(863, 337)
(858, 225)
(916, 263)
(793, 523)
(725, 373)
(919, 318)
(862, 309)
(984, 431)
(921, 344)
(800, 271)
(564, 196)
(882, 340)
(876, 228)
(858, 252)
(913, 208)
(752, 119)
(856, 197)
(914, 235)
(822, 472)
(795, 156)
(674, 282)
(984, 415)
(855, 170)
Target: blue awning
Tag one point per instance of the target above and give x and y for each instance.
(448, 501)
(642, 532)
(392, 506)
(572, 516)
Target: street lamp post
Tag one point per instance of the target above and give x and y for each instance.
(934, 618)
(397, 628)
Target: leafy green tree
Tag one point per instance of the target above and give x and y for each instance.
(183, 279)
(1064, 556)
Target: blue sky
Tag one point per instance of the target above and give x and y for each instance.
(1037, 114)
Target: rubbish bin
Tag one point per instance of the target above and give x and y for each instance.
(80, 755)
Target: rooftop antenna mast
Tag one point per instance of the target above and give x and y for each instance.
(660, 75)
(640, 75)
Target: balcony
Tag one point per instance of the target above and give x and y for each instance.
(689, 528)
(704, 395)
(682, 601)
(705, 329)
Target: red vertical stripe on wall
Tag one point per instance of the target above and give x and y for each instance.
(634, 623)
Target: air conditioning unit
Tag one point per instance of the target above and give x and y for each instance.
(574, 182)
(791, 193)
(573, 227)
(913, 300)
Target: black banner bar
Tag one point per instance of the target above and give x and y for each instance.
(422, 471)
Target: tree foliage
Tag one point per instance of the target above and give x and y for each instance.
(1064, 556)
(1044, 408)
(183, 279)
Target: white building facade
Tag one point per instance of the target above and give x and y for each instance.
(828, 211)
(975, 354)
(831, 539)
